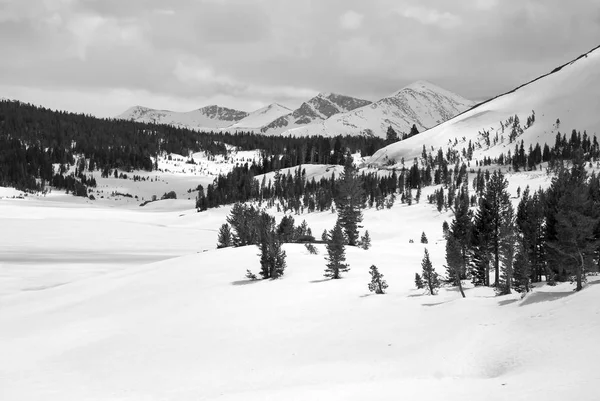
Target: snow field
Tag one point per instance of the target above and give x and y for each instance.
(191, 327)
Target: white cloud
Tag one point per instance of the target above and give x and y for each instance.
(485, 4)
(351, 20)
(428, 16)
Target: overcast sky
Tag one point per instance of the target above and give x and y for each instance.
(103, 56)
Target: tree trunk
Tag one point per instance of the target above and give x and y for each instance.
(462, 292)
(496, 265)
(579, 273)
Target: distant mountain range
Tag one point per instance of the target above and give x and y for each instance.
(421, 103)
(327, 114)
(206, 118)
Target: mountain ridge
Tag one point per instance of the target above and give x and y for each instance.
(549, 96)
(420, 103)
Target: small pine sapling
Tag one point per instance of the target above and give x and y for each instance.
(365, 241)
(225, 238)
(324, 236)
(430, 276)
(311, 249)
(250, 275)
(377, 284)
(424, 238)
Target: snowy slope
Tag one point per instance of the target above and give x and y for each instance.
(569, 93)
(420, 103)
(259, 118)
(192, 328)
(319, 108)
(203, 119)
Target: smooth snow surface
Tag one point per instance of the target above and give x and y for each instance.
(103, 301)
(421, 103)
(204, 119)
(259, 118)
(569, 94)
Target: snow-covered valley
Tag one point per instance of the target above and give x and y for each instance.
(109, 301)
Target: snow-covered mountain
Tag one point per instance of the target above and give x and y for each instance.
(319, 108)
(420, 103)
(569, 94)
(206, 118)
(259, 118)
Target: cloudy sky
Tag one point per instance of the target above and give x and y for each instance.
(103, 56)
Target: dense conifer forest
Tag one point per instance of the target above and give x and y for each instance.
(35, 140)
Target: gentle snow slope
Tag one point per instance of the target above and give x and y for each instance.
(259, 118)
(420, 103)
(203, 119)
(191, 328)
(569, 94)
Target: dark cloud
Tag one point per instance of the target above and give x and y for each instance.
(246, 53)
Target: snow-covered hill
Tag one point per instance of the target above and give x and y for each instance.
(203, 119)
(319, 108)
(420, 103)
(259, 118)
(568, 94)
(90, 320)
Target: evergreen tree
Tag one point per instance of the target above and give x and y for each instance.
(575, 219)
(224, 239)
(430, 277)
(391, 136)
(365, 241)
(324, 236)
(377, 284)
(501, 214)
(285, 230)
(272, 257)
(419, 281)
(521, 269)
(413, 131)
(349, 201)
(507, 253)
(455, 263)
(531, 225)
(336, 253)
(250, 275)
(311, 249)
(461, 231)
(424, 238)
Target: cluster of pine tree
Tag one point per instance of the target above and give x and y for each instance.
(553, 234)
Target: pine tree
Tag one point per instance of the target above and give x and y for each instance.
(272, 257)
(349, 201)
(419, 281)
(377, 284)
(365, 241)
(424, 238)
(573, 232)
(521, 269)
(336, 253)
(501, 214)
(455, 263)
(413, 131)
(224, 239)
(324, 236)
(311, 249)
(250, 275)
(507, 253)
(430, 277)
(391, 136)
